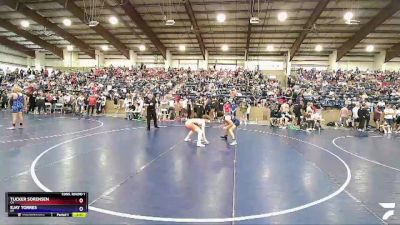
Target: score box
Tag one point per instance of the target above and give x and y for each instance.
(46, 204)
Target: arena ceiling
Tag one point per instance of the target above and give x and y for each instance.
(142, 22)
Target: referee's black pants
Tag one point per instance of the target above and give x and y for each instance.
(363, 123)
(151, 114)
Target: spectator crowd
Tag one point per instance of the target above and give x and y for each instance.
(183, 93)
(360, 96)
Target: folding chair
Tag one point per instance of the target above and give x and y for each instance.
(164, 114)
(47, 107)
(58, 107)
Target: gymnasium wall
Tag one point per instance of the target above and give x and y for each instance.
(310, 61)
(363, 63)
(10, 58)
(223, 62)
(14, 58)
(393, 65)
(264, 63)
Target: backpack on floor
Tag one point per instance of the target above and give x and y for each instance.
(331, 124)
(236, 122)
(293, 127)
(303, 126)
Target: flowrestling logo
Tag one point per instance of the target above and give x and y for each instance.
(390, 212)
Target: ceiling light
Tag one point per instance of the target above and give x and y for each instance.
(93, 23)
(182, 48)
(270, 48)
(370, 48)
(318, 48)
(254, 20)
(142, 48)
(113, 20)
(170, 22)
(348, 16)
(25, 23)
(282, 16)
(352, 22)
(70, 48)
(225, 48)
(67, 22)
(221, 17)
(104, 48)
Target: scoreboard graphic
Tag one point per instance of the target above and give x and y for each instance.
(51, 204)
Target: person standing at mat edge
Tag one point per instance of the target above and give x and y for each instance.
(18, 105)
(151, 103)
(92, 100)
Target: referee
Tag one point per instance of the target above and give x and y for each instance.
(151, 102)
